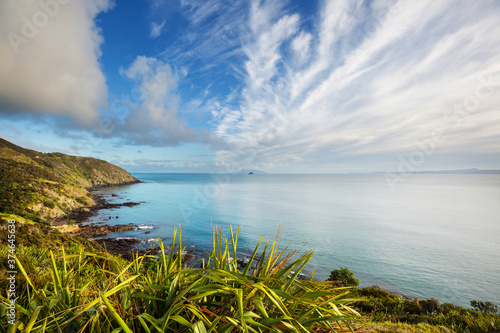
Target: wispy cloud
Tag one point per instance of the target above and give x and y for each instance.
(209, 44)
(212, 28)
(156, 29)
(368, 79)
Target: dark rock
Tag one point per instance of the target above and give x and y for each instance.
(121, 246)
(102, 230)
(130, 204)
(82, 214)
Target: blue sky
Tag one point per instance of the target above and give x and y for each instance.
(282, 86)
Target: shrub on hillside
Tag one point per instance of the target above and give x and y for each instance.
(82, 201)
(430, 305)
(484, 307)
(49, 203)
(384, 306)
(343, 277)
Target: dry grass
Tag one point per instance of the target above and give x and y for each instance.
(387, 327)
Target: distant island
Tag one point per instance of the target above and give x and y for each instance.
(249, 172)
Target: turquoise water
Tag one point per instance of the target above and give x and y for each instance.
(434, 236)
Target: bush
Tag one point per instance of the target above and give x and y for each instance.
(484, 307)
(413, 306)
(343, 277)
(448, 307)
(382, 306)
(82, 201)
(49, 204)
(376, 292)
(430, 305)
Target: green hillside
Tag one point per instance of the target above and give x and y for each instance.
(44, 186)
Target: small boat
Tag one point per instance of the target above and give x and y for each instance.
(250, 173)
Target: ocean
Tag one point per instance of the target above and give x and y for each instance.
(434, 235)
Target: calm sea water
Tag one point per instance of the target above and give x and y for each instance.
(434, 236)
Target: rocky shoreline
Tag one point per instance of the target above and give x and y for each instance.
(82, 214)
(126, 247)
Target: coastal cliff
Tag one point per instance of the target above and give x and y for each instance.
(44, 186)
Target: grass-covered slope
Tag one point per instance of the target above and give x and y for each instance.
(40, 186)
(398, 314)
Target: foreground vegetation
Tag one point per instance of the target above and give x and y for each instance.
(66, 284)
(69, 284)
(72, 290)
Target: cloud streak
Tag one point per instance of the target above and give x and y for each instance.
(370, 79)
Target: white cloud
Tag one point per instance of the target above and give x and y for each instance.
(378, 80)
(200, 10)
(50, 53)
(156, 29)
(152, 116)
(301, 47)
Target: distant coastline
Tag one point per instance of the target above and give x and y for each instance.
(472, 171)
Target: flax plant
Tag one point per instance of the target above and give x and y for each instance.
(97, 292)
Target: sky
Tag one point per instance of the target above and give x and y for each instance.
(333, 86)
